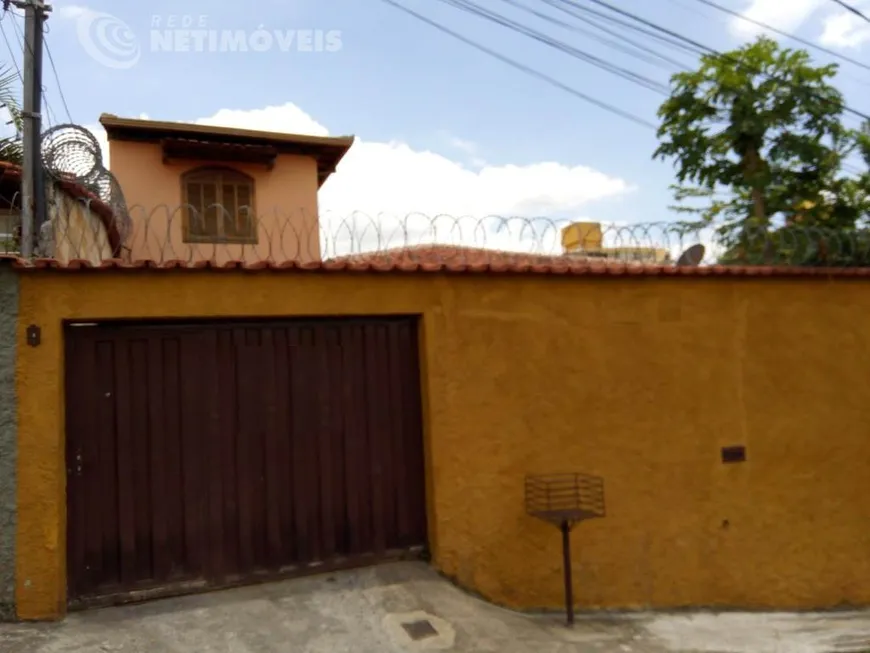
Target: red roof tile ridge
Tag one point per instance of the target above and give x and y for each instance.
(584, 268)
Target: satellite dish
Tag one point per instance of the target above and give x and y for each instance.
(692, 256)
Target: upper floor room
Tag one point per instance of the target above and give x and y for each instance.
(199, 192)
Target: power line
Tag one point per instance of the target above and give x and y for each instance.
(674, 43)
(798, 39)
(692, 42)
(12, 58)
(577, 11)
(9, 48)
(50, 114)
(477, 10)
(850, 8)
(519, 5)
(57, 80)
(580, 17)
(656, 58)
(522, 67)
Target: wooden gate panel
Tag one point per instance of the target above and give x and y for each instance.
(355, 441)
(159, 405)
(228, 452)
(221, 452)
(169, 378)
(283, 459)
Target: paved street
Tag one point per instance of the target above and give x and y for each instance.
(383, 610)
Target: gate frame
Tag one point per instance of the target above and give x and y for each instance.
(292, 571)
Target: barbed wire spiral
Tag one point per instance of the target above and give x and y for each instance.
(71, 154)
(85, 230)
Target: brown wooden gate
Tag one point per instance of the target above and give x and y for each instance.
(211, 454)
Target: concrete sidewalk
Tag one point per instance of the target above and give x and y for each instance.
(382, 610)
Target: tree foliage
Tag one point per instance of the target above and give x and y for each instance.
(10, 146)
(758, 143)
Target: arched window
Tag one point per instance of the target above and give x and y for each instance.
(218, 206)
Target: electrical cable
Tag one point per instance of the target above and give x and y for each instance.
(9, 48)
(850, 8)
(798, 39)
(699, 46)
(657, 58)
(522, 67)
(49, 112)
(57, 80)
(477, 10)
(469, 6)
(674, 43)
(557, 4)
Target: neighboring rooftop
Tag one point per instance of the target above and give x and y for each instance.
(180, 139)
(475, 256)
(10, 172)
(450, 255)
(586, 239)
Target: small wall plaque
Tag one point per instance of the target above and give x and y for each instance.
(34, 335)
(734, 454)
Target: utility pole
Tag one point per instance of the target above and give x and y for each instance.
(32, 177)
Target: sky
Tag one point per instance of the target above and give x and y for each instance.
(442, 127)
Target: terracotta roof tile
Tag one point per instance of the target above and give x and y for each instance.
(591, 269)
(452, 254)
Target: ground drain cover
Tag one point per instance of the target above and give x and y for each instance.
(418, 630)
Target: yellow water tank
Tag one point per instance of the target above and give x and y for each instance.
(582, 236)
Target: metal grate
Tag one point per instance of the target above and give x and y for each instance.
(418, 630)
(560, 498)
(564, 500)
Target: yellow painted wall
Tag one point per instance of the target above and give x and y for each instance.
(639, 380)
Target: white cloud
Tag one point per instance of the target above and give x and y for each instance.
(394, 178)
(845, 30)
(469, 148)
(786, 16)
(839, 28)
(285, 118)
(387, 181)
(72, 12)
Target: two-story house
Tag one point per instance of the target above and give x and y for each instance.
(197, 192)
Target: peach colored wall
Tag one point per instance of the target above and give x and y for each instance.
(285, 199)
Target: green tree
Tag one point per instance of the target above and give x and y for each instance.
(757, 139)
(10, 146)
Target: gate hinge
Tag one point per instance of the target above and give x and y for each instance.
(34, 335)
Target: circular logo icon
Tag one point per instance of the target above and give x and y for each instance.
(108, 40)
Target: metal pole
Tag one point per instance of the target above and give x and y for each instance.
(39, 196)
(28, 180)
(32, 183)
(566, 568)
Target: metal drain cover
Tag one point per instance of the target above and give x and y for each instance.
(418, 630)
